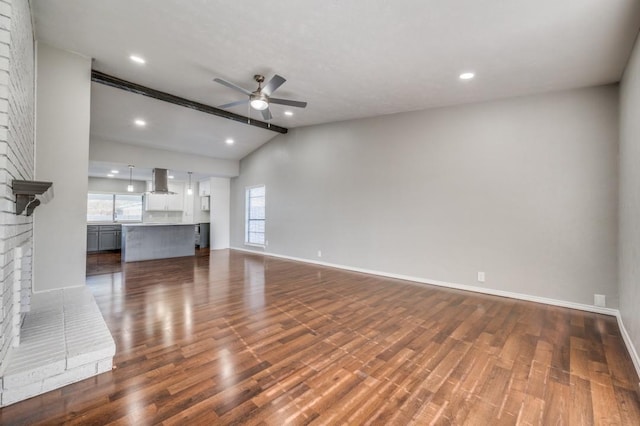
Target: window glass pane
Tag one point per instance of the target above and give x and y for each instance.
(128, 207)
(256, 238)
(100, 208)
(256, 192)
(256, 226)
(257, 201)
(256, 212)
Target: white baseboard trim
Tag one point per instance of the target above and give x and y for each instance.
(629, 344)
(520, 296)
(475, 289)
(49, 290)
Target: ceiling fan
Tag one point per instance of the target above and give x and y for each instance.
(260, 98)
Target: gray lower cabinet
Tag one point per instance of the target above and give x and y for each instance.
(103, 237)
(202, 235)
(108, 240)
(92, 238)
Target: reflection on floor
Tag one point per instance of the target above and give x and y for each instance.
(103, 263)
(109, 261)
(234, 338)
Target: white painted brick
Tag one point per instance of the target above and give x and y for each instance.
(105, 365)
(5, 9)
(83, 357)
(36, 374)
(69, 376)
(5, 22)
(45, 317)
(10, 396)
(17, 162)
(77, 296)
(62, 344)
(36, 347)
(47, 300)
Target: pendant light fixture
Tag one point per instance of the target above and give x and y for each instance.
(189, 190)
(130, 186)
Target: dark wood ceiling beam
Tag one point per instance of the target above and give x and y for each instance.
(109, 80)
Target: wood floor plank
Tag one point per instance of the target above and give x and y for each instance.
(603, 399)
(580, 407)
(233, 338)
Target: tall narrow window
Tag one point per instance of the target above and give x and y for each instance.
(255, 214)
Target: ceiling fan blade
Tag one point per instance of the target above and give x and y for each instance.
(273, 84)
(266, 114)
(297, 104)
(232, 104)
(232, 86)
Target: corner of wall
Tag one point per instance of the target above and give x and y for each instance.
(629, 204)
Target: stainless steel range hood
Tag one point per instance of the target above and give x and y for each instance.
(160, 182)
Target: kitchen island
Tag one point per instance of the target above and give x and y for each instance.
(146, 241)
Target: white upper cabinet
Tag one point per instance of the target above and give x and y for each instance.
(166, 202)
(205, 187)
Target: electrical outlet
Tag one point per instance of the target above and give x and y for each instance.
(600, 300)
(481, 277)
(319, 253)
(266, 243)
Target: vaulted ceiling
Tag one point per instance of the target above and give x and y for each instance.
(347, 59)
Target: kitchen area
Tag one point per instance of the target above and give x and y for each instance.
(166, 215)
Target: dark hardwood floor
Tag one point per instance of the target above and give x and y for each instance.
(234, 338)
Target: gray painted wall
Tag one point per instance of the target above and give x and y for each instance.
(630, 197)
(524, 189)
(115, 186)
(146, 157)
(63, 94)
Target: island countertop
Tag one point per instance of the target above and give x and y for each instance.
(146, 241)
(157, 224)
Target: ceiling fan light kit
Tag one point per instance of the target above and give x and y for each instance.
(260, 99)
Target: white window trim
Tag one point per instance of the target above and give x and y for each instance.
(246, 215)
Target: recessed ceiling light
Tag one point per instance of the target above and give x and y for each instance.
(171, 176)
(115, 171)
(467, 76)
(140, 123)
(289, 113)
(229, 141)
(109, 175)
(137, 59)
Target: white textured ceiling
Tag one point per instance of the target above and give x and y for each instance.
(170, 127)
(347, 59)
